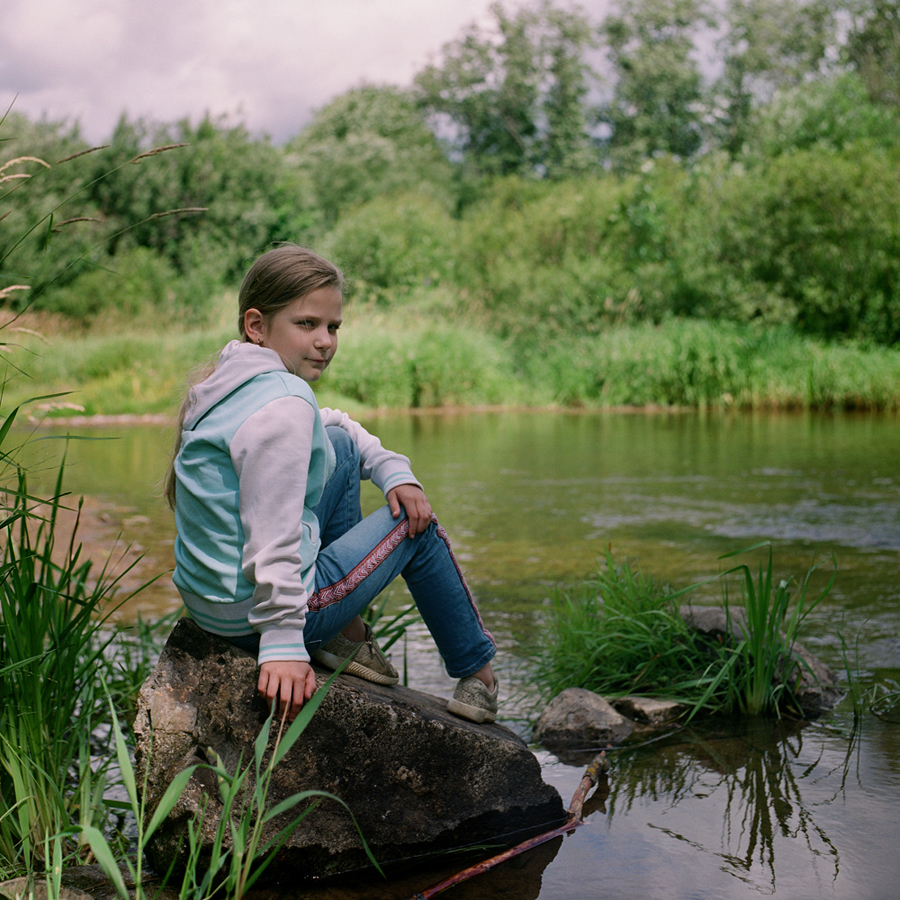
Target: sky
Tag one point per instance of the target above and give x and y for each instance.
(268, 64)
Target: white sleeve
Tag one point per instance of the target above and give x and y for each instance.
(271, 454)
(385, 468)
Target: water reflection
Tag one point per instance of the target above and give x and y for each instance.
(775, 807)
(753, 774)
(532, 501)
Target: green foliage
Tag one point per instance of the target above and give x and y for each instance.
(761, 670)
(392, 246)
(543, 260)
(873, 48)
(49, 229)
(622, 634)
(53, 657)
(370, 142)
(243, 186)
(813, 231)
(513, 93)
(142, 281)
(249, 832)
(832, 114)
(380, 365)
(766, 46)
(656, 102)
(619, 634)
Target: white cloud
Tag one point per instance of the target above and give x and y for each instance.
(267, 63)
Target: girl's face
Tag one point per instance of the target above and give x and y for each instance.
(304, 333)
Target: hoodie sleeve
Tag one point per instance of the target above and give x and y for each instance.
(385, 468)
(271, 455)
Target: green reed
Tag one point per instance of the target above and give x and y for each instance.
(767, 671)
(53, 658)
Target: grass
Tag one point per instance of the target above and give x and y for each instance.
(248, 832)
(762, 668)
(619, 634)
(406, 360)
(622, 634)
(53, 656)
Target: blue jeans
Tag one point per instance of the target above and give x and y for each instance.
(360, 557)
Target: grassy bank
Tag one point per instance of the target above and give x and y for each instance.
(409, 360)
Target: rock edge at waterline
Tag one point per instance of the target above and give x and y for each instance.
(417, 779)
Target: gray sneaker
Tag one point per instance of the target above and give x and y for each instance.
(473, 701)
(368, 661)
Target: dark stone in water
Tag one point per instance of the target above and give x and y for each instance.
(417, 779)
(580, 718)
(816, 692)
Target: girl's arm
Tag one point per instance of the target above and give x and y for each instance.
(386, 469)
(271, 454)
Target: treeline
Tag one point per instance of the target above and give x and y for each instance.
(546, 174)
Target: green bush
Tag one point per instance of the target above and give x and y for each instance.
(134, 283)
(391, 246)
(542, 259)
(621, 633)
(809, 238)
(381, 364)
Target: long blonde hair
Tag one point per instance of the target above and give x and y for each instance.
(278, 278)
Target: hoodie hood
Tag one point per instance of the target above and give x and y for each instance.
(238, 363)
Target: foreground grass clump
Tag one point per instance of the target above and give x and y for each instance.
(618, 634)
(57, 669)
(622, 634)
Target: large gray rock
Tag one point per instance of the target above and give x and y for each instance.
(417, 779)
(578, 718)
(814, 684)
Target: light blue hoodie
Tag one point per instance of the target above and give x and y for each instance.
(253, 463)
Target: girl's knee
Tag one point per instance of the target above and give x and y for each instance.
(344, 446)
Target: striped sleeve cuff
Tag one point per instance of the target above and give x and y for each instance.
(282, 645)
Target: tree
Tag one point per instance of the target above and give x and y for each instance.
(249, 196)
(767, 46)
(366, 143)
(829, 113)
(511, 97)
(656, 107)
(873, 49)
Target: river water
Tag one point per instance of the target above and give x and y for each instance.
(532, 501)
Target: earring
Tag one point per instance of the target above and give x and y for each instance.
(259, 341)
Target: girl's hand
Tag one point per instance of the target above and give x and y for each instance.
(286, 685)
(413, 500)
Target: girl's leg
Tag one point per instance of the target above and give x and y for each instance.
(355, 568)
(338, 510)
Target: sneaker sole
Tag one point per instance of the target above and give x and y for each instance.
(353, 668)
(475, 714)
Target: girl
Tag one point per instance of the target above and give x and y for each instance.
(272, 552)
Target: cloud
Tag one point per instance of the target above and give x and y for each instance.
(267, 63)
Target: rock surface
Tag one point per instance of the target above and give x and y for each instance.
(580, 718)
(649, 711)
(417, 779)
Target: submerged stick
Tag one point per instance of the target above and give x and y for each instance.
(573, 821)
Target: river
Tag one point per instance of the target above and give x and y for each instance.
(532, 501)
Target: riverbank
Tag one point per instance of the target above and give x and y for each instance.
(126, 376)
